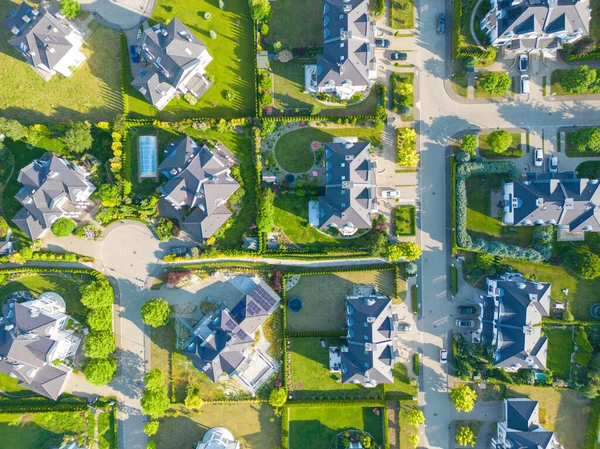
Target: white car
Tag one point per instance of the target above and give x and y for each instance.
(553, 164)
(443, 356)
(538, 157)
(392, 194)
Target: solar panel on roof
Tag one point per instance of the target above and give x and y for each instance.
(238, 312)
(231, 325)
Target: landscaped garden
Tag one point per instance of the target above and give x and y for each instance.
(579, 81)
(402, 14)
(405, 220)
(403, 101)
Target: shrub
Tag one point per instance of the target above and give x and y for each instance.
(578, 81)
(469, 144)
(496, 83)
(99, 344)
(465, 437)
(193, 399)
(410, 269)
(70, 8)
(264, 29)
(156, 312)
(278, 397)
(151, 428)
(78, 137)
(174, 277)
(63, 227)
(100, 319)
(189, 97)
(499, 141)
(463, 398)
(404, 250)
(97, 294)
(582, 262)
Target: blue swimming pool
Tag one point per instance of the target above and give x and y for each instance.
(147, 156)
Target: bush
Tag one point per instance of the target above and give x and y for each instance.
(264, 29)
(193, 399)
(499, 141)
(63, 227)
(70, 8)
(463, 398)
(100, 371)
(582, 262)
(151, 428)
(78, 137)
(100, 319)
(156, 312)
(578, 81)
(586, 139)
(404, 250)
(97, 294)
(410, 269)
(496, 83)
(278, 397)
(190, 98)
(99, 344)
(469, 144)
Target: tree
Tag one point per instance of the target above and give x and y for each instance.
(266, 82)
(278, 397)
(260, 10)
(100, 371)
(78, 137)
(314, 109)
(97, 294)
(582, 262)
(156, 312)
(577, 81)
(407, 134)
(12, 128)
(3, 227)
(415, 417)
(63, 227)
(484, 261)
(98, 344)
(267, 127)
(100, 319)
(110, 195)
(16, 258)
(155, 402)
(151, 445)
(264, 29)
(378, 243)
(499, 141)
(151, 428)
(266, 210)
(70, 8)
(413, 439)
(469, 144)
(586, 139)
(463, 398)
(465, 437)
(154, 379)
(408, 157)
(496, 83)
(193, 400)
(404, 250)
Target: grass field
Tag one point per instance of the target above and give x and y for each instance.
(254, 425)
(404, 220)
(324, 295)
(515, 145)
(560, 348)
(294, 155)
(402, 14)
(315, 427)
(285, 27)
(560, 407)
(91, 93)
(232, 64)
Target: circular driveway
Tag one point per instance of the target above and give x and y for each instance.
(120, 14)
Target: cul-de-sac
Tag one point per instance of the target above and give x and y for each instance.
(299, 224)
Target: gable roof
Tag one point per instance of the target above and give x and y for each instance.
(522, 415)
(522, 428)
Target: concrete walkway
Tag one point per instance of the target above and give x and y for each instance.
(472, 22)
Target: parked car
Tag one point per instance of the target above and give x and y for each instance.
(135, 56)
(525, 84)
(523, 63)
(538, 157)
(179, 250)
(398, 56)
(465, 323)
(443, 356)
(553, 164)
(440, 22)
(404, 327)
(390, 194)
(467, 310)
(382, 43)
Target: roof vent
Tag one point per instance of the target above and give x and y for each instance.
(164, 31)
(35, 12)
(26, 19)
(34, 312)
(370, 319)
(539, 286)
(9, 327)
(521, 285)
(349, 157)
(15, 30)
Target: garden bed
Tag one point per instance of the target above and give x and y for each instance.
(405, 220)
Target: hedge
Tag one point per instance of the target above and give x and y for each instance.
(593, 427)
(124, 73)
(26, 270)
(319, 118)
(338, 403)
(285, 427)
(584, 57)
(39, 404)
(416, 364)
(332, 334)
(396, 276)
(386, 429)
(414, 290)
(583, 323)
(453, 279)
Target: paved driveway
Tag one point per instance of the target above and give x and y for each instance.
(120, 14)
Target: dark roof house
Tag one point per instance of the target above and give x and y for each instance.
(200, 179)
(371, 350)
(521, 427)
(176, 61)
(49, 44)
(351, 188)
(513, 309)
(52, 188)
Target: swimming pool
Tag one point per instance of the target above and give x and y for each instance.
(147, 156)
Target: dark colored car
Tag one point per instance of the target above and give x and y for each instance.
(382, 43)
(467, 310)
(135, 56)
(179, 250)
(440, 22)
(397, 56)
(523, 63)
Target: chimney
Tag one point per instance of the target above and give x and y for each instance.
(15, 30)
(26, 19)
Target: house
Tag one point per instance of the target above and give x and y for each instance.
(50, 44)
(221, 344)
(543, 26)
(52, 188)
(351, 190)
(218, 438)
(561, 199)
(521, 427)
(512, 313)
(71, 445)
(34, 340)
(199, 179)
(348, 64)
(173, 61)
(371, 350)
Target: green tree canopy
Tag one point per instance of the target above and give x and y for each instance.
(582, 262)
(469, 144)
(156, 312)
(78, 137)
(586, 139)
(100, 319)
(496, 83)
(465, 437)
(266, 210)
(70, 8)
(278, 397)
(499, 141)
(151, 428)
(97, 294)
(12, 128)
(98, 344)
(415, 417)
(155, 402)
(154, 379)
(260, 10)
(193, 400)
(413, 439)
(577, 81)
(378, 243)
(463, 398)
(100, 371)
(110, 195)
(63, 227)
(404, 250)
(3, 227)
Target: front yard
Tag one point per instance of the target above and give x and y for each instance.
(402, 14)
(285, 27)
(404, 220)
(513, 150)
(560, 348)
(555, 86)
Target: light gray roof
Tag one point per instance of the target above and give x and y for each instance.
(203, 225)
(39, 36)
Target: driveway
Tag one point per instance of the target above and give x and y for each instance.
(120, 14)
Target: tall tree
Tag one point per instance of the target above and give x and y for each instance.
(12, 128)
(70, 8)
(260, 10)
(78, 137)
(266, 211)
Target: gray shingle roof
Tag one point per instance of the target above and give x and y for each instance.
(522, 415)
(521, 428)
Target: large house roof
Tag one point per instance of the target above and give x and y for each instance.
(522, 428)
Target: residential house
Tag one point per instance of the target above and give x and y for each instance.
(521, 427)
(543, 26)
(173, 60)
(222, 340)
(350, 199)
(371, 350)
(512, 313)
(218, 438)
(50, 44)
(34, 340)
(561, 199)
(348, 64)
(199, 179)
(52, 188)
(71, 445)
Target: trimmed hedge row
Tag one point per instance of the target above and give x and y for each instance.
(593, 427)
(338, 403)
(332, 334)
(124, 73)
(89, 271)
(386, 429)
(285, 428)
(40, 404)
(318, 118)
(548, 320)
(584, 57)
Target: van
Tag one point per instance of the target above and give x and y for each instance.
(525, 84)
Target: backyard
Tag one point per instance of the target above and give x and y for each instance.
(315, 427)
(560, 348)
(232, 65)
(91, 93)
(324, 296)
(285, 27)
(402, 14)
(253, 424)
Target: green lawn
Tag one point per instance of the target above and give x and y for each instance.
(40, 430)
(402, 386)
(479, 222)
(294, 155)
(9, 385)
(560, 348)
(232, 64)
(405, 428)
(315, 427)
(91, 93)
(402, 14)
(286, 28)
(513, 150)
(572, 151)
(288, 86)
(106, 430)
(404, 220)
(254, 425)
(556, 77)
